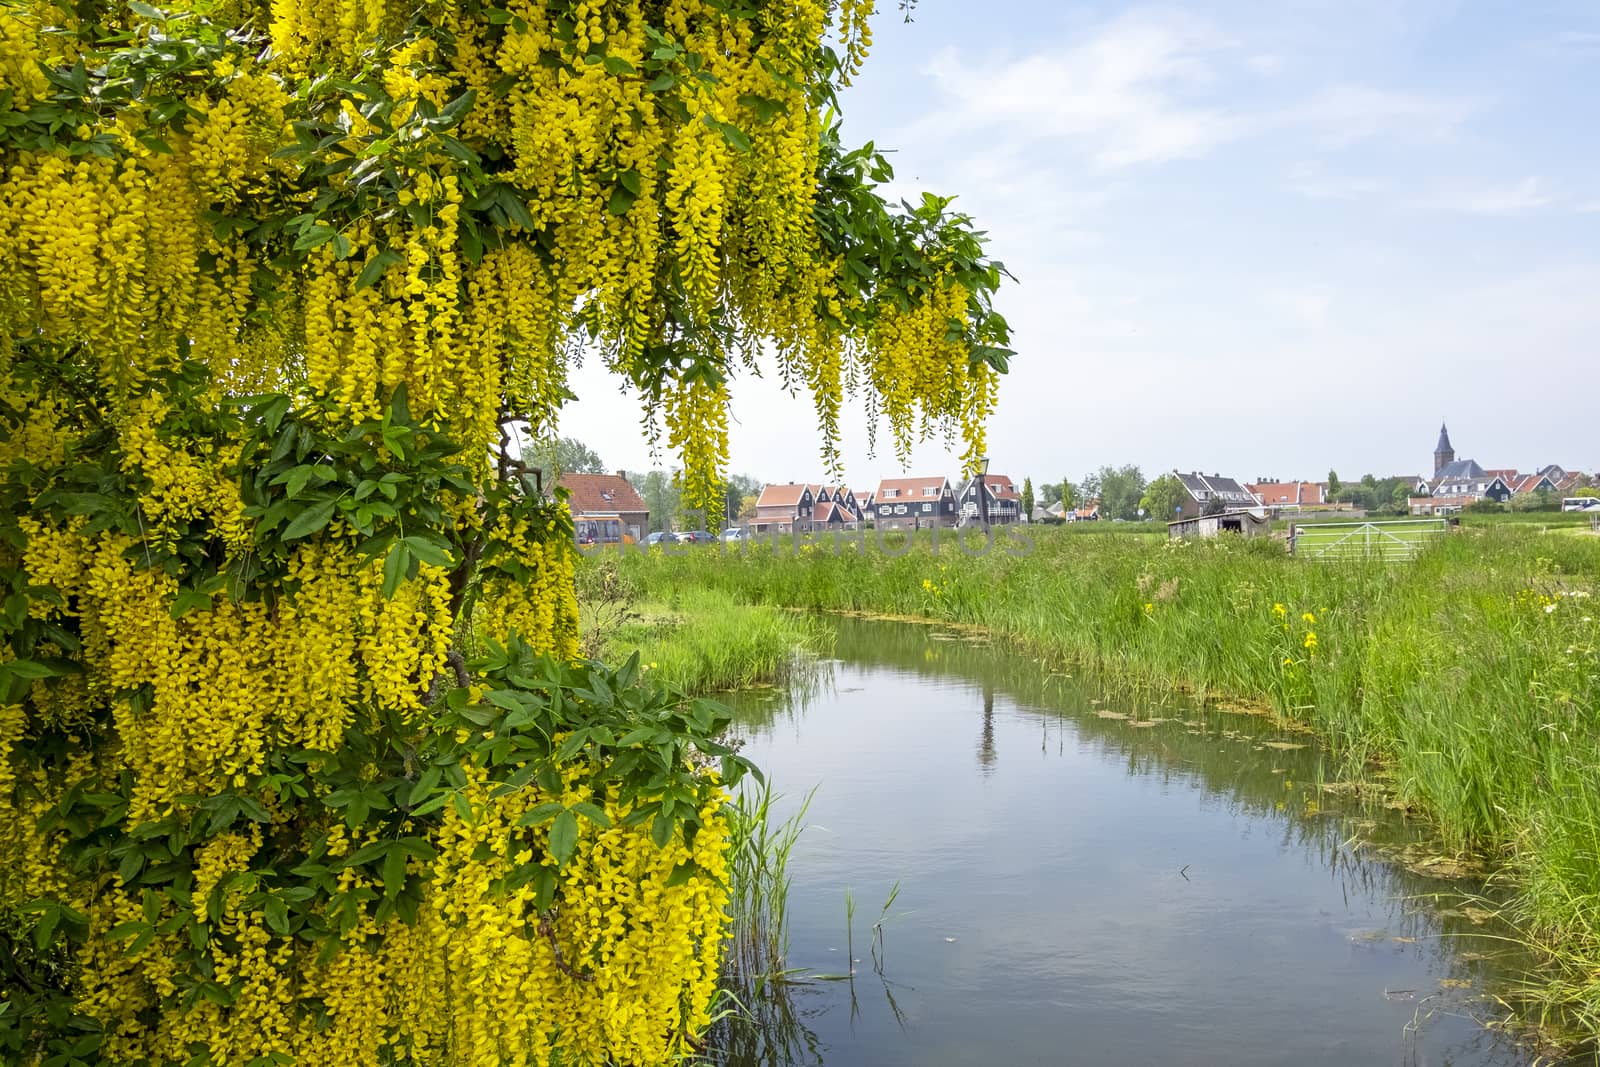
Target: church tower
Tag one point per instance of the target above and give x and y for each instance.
(1443, 454)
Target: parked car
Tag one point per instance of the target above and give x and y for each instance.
(660, 537)
(694, 537)
(735, 533)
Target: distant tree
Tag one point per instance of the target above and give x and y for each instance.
(747, 507)
(562, 455)
(1214, 506)
(1027, 498)
(1069, 497)
(1486, 507)
(1369, 481)
(1334, 484)
(1400, 495)
(1049, 493)
(1089, 488)
(661, 494)
(1163, 497)
(1588, 492)
(1121, 489)
(1542, 500)
(739, 486)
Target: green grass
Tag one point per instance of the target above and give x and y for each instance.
(703, 641)
(1469, 679)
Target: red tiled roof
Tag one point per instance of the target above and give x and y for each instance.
(780, 495)
(910, 487)
(1001, 486)
(1288, 492)
(1524, 483)
(1504, 473)
(600, 494)
(823, 511)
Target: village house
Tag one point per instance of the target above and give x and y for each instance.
(914, 503)
(999, 501)
(845, 504)
(1534, 483)
(864, 503)
(1275, 494)
(1090, 512)
(1212, 492)
(785, 508)
(605, 508)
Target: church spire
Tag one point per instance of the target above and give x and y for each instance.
(1443, 453)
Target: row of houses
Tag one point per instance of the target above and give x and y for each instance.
(896, 503)
(606, 507)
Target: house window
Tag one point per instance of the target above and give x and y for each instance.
(900, 509)
(928, 490)
(927, 507)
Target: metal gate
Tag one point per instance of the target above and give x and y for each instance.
(1401, 539)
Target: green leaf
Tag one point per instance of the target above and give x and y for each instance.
(309, 521)
(425, 785)
(571, 746)
(430, 549)
(540, 814)
(730, 133)
(374, 269)
(682, 873)
(661, 829)
(395, 567)
(394, 872)
(27, 668)
(621, 200)
(314, 236)
(593, 813)
(277, 915)
(564, 838)
(662, 82)
(617, 66)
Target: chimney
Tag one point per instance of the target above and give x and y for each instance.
(623, 475)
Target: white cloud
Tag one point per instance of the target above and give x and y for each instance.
(1342, 115)
(1528, 195)
(1128, 93)
(1307, 305)
(1587, 41)
(1154, 86)
(1310, 179)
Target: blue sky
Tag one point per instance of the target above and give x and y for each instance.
(1264, 239)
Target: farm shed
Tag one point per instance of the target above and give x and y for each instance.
(1243, 523)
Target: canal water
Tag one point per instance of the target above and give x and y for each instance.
(1093, 879)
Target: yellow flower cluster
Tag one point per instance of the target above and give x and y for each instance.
(543, 611)
(919, 367)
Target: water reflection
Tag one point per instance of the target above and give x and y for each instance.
(1158, 884)
(986, 752)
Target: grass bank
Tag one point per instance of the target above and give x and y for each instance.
(1471, 677)
(697, 640)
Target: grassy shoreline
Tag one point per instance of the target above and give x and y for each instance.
(704, 641)
(1471, 675)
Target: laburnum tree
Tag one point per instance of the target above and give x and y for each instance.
(297, 760)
